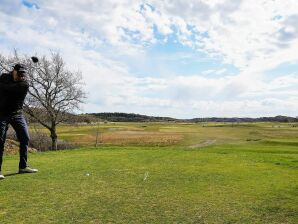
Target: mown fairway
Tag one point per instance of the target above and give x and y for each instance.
(160, 173)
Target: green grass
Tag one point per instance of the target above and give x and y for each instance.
(233, 181)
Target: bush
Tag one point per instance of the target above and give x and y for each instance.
(41, 141)
(61, 145)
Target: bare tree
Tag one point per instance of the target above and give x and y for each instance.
(54, 91)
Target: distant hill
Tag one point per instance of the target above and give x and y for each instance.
(130, 117)
(125, 117)
(246, 119)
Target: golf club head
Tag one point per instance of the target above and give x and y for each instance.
(35, 59)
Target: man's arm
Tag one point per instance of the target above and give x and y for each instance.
(3, 77)
(14, 87)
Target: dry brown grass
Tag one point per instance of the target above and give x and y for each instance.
(140, 138)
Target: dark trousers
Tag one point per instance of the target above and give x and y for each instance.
(19, 124)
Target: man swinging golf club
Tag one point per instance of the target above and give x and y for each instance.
(13, 90)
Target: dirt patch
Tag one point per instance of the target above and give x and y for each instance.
(203, 144)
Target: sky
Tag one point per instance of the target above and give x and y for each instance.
(177, 58)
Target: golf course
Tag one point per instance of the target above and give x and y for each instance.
(148, 112)
(159, 173)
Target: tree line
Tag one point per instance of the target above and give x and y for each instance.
(131, 117)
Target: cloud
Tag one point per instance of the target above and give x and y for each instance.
(100, 38)
(243, 33)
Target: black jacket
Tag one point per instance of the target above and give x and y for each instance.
(12, 95)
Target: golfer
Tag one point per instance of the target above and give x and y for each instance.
(13, 90)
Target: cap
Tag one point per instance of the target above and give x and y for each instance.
(20, 68)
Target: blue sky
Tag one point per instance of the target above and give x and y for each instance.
(174, 58)
(30, 4)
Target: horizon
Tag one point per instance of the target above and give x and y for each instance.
(91, 113)
(212, 59)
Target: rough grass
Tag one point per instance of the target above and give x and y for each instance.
(178, 134)
(236, 180)
(140, 138)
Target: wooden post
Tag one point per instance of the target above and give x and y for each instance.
(97, 134)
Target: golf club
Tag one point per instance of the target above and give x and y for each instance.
(34, 59)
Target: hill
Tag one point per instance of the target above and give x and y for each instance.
(131, 117)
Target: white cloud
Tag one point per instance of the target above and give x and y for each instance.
(245, 33)
(254, 36)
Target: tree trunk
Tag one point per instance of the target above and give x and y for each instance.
(54, 138)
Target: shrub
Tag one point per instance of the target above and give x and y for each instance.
(41, 141)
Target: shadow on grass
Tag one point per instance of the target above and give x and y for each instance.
(13, 174)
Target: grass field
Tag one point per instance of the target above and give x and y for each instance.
(160, 173)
